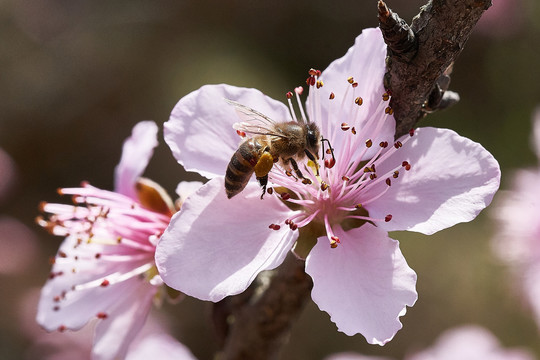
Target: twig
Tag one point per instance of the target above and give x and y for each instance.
(420, 57)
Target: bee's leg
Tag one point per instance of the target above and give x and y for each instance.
(298, 172)
(263, 181)
(312, 158)
(288, 170)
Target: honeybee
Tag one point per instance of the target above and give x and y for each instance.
(269, 143)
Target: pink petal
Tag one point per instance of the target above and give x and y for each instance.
(364, 284)
(59, 306)
(199, 131)
(365, 62)
(159, 346)
(215, 247)
(114, 334)
(469, 343)
(354, 356)
(136, 153)
(451, 180)
(186, 188)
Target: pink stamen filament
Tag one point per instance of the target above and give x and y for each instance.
(114, 278)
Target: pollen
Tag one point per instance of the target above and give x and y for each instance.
(386, 96)
(388, 110)
(345, 126)
(350, 80)
(319, 84)
(353, 130)
(102, 315)
(241, 133)
(105, 283)
(332, 96)
(369, 143)
(358, 101)
(387, 218)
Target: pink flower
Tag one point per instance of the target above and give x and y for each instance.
(518, 240)
(426, 182)
(105, 267)
(462, 343)
(469, 343)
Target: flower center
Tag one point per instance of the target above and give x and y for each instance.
(358, 169)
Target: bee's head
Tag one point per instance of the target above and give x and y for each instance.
(313, 138)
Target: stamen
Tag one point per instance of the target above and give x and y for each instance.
(358, 101)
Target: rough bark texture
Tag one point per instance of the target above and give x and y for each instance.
(420, 58)
(258, 329)
(255, 325)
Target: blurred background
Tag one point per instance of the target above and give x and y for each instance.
(77, 75)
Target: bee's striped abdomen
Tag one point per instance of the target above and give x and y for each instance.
(240, 167)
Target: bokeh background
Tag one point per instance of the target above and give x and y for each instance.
(77, 75)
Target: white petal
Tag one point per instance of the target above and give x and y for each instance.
(136, 153)
(114, 334)
(364, 284)
(200, 133)
(451, 180)
(159, 346)
(215, 247)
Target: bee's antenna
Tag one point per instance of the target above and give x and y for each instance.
(329, 148)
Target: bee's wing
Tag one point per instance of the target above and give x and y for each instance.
(253, 122)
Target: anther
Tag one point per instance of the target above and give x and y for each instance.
(102, 315)
(289, 95)
(353, 130)
(241, 133)
(373, 176)
(285, 196)
(354, 84)
(56, 308)
(329, 163)
(332, 96)
(333, 244)
(324, 186)
(350, 79)
(293, 226)
(358, 206)
(288, 173)
(313, 72)
(306, 181)
(396, 174)
(62, 254)
(319, 84)
(345, 178)
(389, 110)
(62, 328)
(358, 101)
(386, 96)
(383, 144)
(287, 221)
(97, 256)
(411, 132)
(310, 81)
(345, 126)
(270, 191)
(388, 182)
(274, 227)
(105, 283)
(387, 218)
(369, 143)
(398, 144)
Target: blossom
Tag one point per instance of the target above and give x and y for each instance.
(425, 181)
(517, 241)
(105, 267)
(468, 342)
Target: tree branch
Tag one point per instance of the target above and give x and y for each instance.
(259, 329)
(420, 57)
